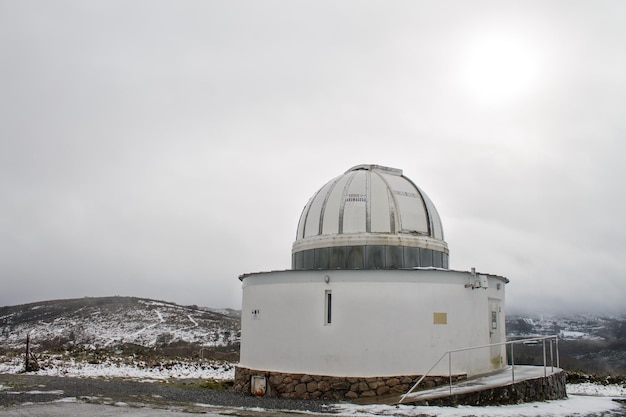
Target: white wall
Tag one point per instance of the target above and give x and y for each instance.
(382, 322)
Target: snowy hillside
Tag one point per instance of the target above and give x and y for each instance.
(110, 322)
(567, 326)
(590, 343)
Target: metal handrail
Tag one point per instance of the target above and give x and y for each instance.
(543, 339)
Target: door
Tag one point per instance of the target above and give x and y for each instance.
(496, 327)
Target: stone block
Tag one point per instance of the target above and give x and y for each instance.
(392, 382)
(351, 395)
(323, 386)
(374, 385)
(382, 390)
(276, 379)
(306, 378)
(398, 389)
(300, 389)
(339, 384)
(311, 386)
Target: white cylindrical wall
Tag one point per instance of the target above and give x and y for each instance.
(383, 323)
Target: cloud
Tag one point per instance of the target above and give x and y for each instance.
(162, 149)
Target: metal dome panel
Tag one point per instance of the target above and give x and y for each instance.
(364, 218)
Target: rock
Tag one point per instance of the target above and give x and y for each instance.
(300, 389)
(398, 389)
(323, 386)
(392, 382)
(374, 385)
(351, 395)
(340, 385)
(276, 379)
(382, 390)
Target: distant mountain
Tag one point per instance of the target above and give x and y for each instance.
(589, 343)
(112, 322)
(567, 326)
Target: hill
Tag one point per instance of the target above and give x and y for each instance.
(118, 323)
(588, 343)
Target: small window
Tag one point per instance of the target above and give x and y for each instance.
(494, 320)
(328, 307)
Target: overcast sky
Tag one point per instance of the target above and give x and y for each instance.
(162, 148)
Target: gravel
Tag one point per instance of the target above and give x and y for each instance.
(20, 389)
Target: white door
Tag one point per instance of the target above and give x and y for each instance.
(496, 326)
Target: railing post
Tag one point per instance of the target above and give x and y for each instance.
(512, 363)
(545, 374)
(450, 370)
(556, 338)
(551, 358)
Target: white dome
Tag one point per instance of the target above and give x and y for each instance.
(370, 217)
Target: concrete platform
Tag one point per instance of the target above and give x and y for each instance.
(460, 390)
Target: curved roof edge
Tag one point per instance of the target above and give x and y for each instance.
(304, 271)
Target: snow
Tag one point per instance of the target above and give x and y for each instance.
(109, 368)
(160, 316)
(584, 399)
(588, 388)
(575, 405)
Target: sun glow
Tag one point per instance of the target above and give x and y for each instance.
(500, 68)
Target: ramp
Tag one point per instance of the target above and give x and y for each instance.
(524, 384)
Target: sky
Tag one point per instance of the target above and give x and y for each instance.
(161, 149)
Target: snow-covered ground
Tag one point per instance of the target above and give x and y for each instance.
(110, 368)
(573, 406)
(584, 399)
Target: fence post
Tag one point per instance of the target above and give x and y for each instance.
(551, 358)
(450, 370)
(512, 362)
(545, 372)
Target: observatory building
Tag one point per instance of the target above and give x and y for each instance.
(369, 304)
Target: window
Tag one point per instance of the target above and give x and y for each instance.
(328, 307)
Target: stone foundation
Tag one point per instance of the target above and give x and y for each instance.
(331, 387)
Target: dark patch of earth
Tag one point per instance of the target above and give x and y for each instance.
(16, 390)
